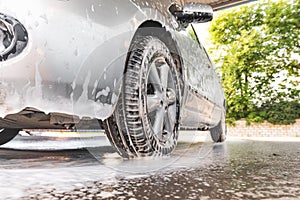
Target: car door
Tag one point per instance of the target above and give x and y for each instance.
(202, 91)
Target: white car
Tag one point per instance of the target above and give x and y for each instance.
(135, 66)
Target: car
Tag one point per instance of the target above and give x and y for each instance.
(133, 67)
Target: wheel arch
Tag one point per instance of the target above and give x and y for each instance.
(155, 28)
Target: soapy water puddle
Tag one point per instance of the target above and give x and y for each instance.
(38, 167)
(64, 162)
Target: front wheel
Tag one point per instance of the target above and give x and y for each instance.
(145, 121)
(7, 135)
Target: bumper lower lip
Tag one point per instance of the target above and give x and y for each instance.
(13, 37)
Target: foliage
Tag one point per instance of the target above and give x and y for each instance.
(283, 112)
(256, 46)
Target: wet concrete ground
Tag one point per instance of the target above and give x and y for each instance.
(237, 169)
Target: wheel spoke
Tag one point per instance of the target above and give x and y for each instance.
(164, 75)
(154, 78)
(153, 103)
(159, 122)
(169, 121)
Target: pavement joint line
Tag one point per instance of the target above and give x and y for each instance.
(267, 139)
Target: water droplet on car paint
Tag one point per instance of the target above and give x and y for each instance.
(45, 18)
(104, 74)
(89, 20)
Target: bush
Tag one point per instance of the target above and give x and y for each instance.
(282, 112)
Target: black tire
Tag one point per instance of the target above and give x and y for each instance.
(7, 135)
(145, 120)
(219, 133)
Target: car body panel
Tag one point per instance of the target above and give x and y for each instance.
(204, 97)
(66, 39)
(76, 55)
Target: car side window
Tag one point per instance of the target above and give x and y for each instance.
(193, 34)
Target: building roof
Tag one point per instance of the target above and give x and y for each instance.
(221, 4)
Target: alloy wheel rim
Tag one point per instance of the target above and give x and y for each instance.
(161, 99)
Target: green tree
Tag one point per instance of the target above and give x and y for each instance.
(257, 47)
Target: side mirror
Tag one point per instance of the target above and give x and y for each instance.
(193, 13)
